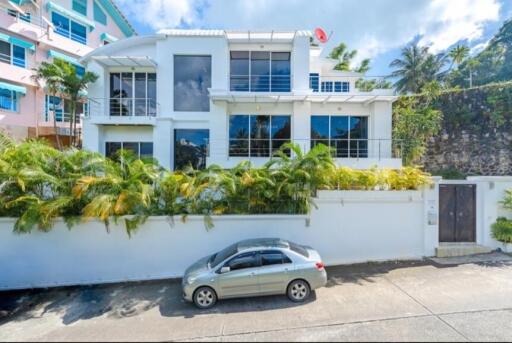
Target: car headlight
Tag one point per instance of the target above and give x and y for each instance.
(191, 280)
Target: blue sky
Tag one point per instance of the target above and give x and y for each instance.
(376, 28)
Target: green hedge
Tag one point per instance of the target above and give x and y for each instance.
(502, 230)
(40, 183)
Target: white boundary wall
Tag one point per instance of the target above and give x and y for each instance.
(346, 227)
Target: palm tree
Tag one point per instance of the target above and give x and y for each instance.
(417, 67)
(345, 57)
(458, 54)
(409, 69)
(61, 78)
(50, 74)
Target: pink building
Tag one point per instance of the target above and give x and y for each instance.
(32, 31)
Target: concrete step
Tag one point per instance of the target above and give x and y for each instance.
(461, 249)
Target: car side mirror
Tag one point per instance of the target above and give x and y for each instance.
(225, 270)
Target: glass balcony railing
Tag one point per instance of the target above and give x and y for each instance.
(123, 107)
(260, 83)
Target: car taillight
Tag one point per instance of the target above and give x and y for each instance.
(320, 266)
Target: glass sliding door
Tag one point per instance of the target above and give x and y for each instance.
(133, 94)
(260, 71)
(140, 95)
(359, 137)
(319, 130)
(239, 63)
(115, 94)
(126, 94)
(340, 135)
(346, 135)
(151, 94)
(239, 135)
(280, 132)
(281, 71)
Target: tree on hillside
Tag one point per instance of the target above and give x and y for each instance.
(417, 67)
(61, 78)
(493, 64)
(458, 55)
(345, 58)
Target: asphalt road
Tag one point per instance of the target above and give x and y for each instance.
(406, 301)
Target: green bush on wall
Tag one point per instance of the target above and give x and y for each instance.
(502, 230)
(40, 183)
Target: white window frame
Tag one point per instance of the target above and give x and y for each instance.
(131, 142)
(249, 139)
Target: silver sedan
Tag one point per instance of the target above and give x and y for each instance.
(255, 267)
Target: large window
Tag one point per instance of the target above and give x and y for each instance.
(192, 78)
(8, 100)
(140, 149)
(133, 94)
(260, 71)
(347, 135)
(69, 28)
(12, 54)
(190, 148)
(258, 135)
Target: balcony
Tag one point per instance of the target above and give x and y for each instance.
(123, 111)
(354, 153)
(60, 117)
(261, 83)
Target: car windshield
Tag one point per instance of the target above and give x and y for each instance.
(223, 255)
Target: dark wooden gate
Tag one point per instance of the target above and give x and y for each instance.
(457, 213)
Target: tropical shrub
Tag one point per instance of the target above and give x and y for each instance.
(502, 230)
(38, 184)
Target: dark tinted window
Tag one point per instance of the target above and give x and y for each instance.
(192, 78)
(260, 134)
(299, 249)
(5, 52)
(190, 148)
(146, 150)
(244, 261)
(111, 148)
(270, 258)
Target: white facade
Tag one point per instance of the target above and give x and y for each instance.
(286, 91)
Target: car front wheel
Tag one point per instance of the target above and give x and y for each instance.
(205, 298)
(298, 291)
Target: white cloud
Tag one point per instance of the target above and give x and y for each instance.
(160, 14)
(372, 27)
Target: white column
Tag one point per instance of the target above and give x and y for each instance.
(301, 124)
(92, 140)
(163, 142)
(300, 65)
(381, 130)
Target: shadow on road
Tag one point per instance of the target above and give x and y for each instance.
(72, 304)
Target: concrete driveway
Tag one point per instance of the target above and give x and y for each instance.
(406, 301)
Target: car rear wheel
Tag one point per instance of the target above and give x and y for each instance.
(205, 298)
(298, 291)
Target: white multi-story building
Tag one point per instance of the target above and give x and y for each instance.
(220, 97)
